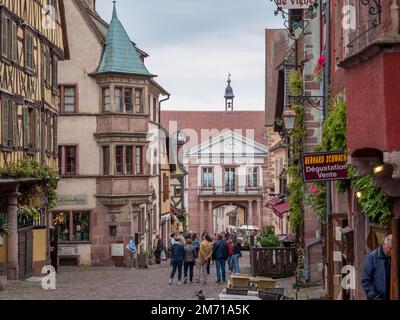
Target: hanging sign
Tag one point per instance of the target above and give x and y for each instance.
(325, 166)
(295, 4)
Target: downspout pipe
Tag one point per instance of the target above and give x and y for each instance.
(160, 176)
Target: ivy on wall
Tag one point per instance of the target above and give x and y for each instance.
(31, 195)
(373, 201)
(296, 146)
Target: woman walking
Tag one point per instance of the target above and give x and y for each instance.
(177, 258)
(204, 257)
(190, 258)
(236, 254)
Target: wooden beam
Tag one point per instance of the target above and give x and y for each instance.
(395, 290)
(329, 251)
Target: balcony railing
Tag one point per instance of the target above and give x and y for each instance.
(222, 190)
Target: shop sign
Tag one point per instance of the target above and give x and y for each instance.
(68, 251)
(325, 166)
(72, 200)
(294, 4)
(117, 250)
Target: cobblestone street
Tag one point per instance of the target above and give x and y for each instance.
(115, 284)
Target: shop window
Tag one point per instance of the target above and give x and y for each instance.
(81, 226)
(78, 230)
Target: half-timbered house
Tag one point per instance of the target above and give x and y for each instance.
(31, 44)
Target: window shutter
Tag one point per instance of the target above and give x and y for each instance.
(4, 36)
(14, 124)
(4, 117)
(55, 137)
(26, 126)
(54, 72)
(14, 41)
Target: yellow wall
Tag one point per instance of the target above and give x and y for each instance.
(39, 245)
(240, 216)
(3, 251)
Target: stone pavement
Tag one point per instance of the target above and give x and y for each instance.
(98, 283)
(78, 283)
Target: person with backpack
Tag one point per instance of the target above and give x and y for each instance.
(177, 258)
(190, 259)
(221, 255)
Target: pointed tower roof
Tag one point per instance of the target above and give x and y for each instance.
(119, 54)
(229, 91)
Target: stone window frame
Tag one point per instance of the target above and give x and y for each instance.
(62, 87)
(62, 156)
(70, 214)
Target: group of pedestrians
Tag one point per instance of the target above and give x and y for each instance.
(188, 252)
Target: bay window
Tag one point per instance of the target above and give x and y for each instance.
(139, 101)
(119, 159)
(118, 99)
(106, 99)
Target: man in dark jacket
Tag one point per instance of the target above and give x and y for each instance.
(377, 271)
(177, 258)
(220, 252)
(159, 249)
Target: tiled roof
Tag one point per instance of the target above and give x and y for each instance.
(219, 120)
(120, 55)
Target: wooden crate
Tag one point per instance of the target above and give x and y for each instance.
(264, 283)
(240, 281)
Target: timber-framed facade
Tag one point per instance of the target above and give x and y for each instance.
(31, 44)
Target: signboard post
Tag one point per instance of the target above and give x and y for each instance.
(325, 166)
(295, 4)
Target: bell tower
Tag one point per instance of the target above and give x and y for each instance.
(229, 96)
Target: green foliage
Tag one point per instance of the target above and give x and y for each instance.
(316, 199)
(4, 230)
(373, 201)
(335, 130)
(296, 82)
(30, 212)
(28, 168)
(269, 239)
(296, 146)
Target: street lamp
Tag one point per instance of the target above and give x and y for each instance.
(289, 118)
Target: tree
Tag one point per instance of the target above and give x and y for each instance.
(4, 230)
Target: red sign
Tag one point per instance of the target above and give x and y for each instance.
(325, 166)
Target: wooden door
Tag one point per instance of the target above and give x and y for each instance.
(25, 253)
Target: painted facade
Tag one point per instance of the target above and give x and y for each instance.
(31, 45)
(229, 145)
(108, 142)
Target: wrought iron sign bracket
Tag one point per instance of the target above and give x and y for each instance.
(313, 101)
(375, 10)
(297, 17)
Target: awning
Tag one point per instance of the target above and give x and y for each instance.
(273, 202)
(281, 209)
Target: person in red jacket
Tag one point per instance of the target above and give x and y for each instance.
(230, 257)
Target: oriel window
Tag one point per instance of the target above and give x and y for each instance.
(128, 100)
(138, 101)
(106, 100)
(118, 99)
(138, 160)
(119, 159)
(129, 159)
(106, 160)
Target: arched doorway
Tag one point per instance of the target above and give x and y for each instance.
(228, 214)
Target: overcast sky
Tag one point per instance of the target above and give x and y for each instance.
(194, 44)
